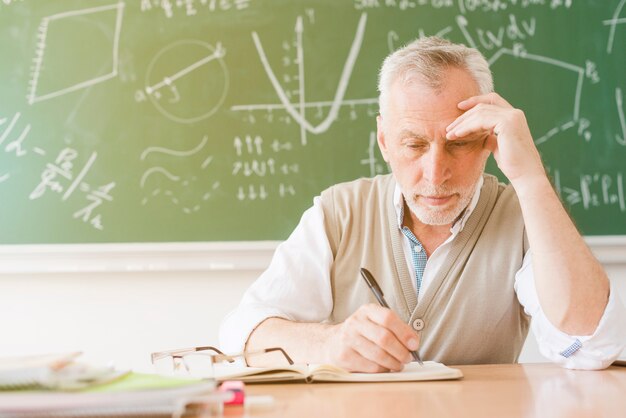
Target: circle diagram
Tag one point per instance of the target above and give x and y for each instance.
(187, 81)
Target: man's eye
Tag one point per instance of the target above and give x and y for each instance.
(417, 146)
(458, 143)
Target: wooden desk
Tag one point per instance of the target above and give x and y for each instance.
(511, 390)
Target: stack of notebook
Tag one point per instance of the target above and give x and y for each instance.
(60, 386)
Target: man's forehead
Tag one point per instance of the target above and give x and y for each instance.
(410, 112)
(456, 85)
(420, 104)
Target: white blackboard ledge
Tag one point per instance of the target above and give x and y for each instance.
(251, 256)
(137, 257)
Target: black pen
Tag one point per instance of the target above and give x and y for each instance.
(378, 293)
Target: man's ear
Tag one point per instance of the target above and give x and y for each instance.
(380, 137)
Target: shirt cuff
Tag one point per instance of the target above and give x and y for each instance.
(589, 352)
(239, 324)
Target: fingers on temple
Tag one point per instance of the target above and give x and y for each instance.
(470, 122)
(489, 98)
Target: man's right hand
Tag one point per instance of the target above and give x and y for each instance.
(373, 339)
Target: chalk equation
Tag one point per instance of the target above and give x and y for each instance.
(593, 190)
(61, 176)
(14, 146)
(58, 176)
(192, 7)
(463, 6)
(258, 165)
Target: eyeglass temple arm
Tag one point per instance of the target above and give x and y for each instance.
(182, 351)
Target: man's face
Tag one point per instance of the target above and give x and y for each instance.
(437, 177)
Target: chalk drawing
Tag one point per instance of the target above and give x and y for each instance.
(47, 24)
(175, 93)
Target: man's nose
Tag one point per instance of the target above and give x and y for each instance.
(437, 165)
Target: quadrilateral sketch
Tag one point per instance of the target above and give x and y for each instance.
(57, 70)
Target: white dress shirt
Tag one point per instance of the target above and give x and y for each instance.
(296, 286)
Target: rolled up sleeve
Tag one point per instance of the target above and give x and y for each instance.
(588, 352)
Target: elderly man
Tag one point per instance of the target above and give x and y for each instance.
(464, 262)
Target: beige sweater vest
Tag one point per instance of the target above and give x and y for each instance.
(470, 311)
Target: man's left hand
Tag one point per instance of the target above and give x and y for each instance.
(509, 136)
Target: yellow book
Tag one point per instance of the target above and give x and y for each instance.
(412, 372)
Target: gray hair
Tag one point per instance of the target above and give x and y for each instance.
(426, 60)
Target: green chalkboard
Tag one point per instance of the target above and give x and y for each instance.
(220, 120)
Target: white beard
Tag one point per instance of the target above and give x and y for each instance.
(433, 215)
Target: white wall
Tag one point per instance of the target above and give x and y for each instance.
(122, 317)
(119, 317)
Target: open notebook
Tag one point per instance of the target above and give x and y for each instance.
(328, 373)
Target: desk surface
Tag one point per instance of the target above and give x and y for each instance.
(511, 390)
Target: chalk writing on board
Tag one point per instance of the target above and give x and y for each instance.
(612, 23)
(191, 7)
(16, 145)
(96, 198)
(54, 85)
(464, 6)
(619, 101)
(62, 167)
(519, 52)
(262, 168)
(159, 181)
(501, 5)
(299, 114)
(60, 177)
(402, 4)
(172, 81)
(372, 162)
(513, 30)
(256, 160)
(3, 176)
(593, 190)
